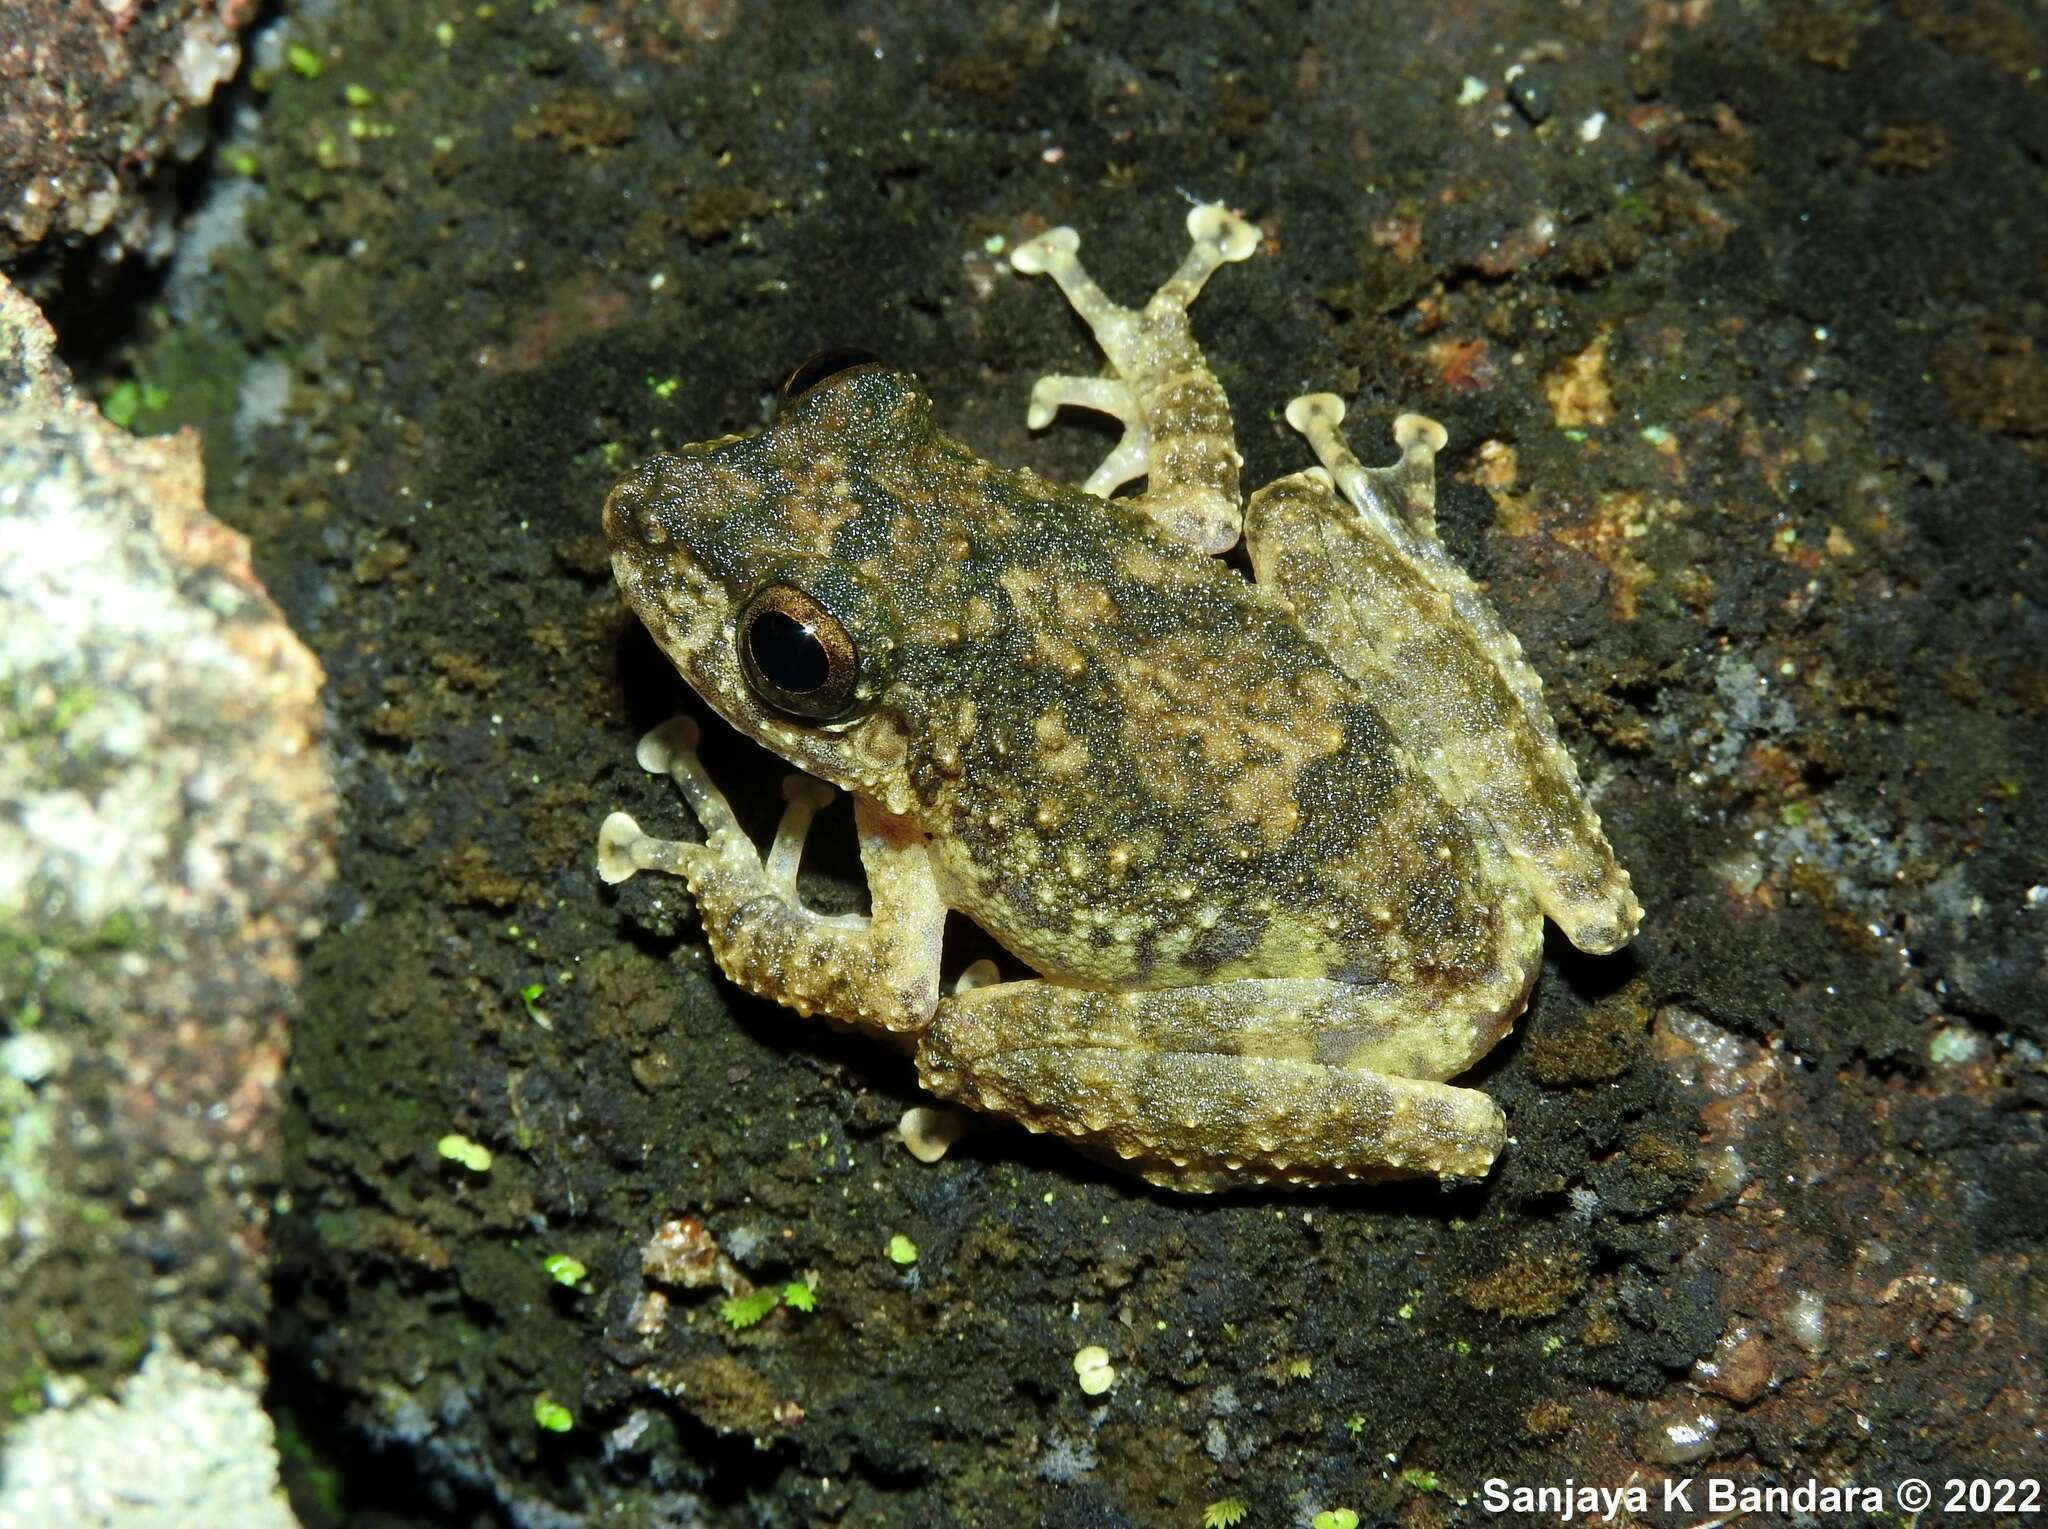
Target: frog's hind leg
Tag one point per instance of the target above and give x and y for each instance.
(880, 969)
(1369, 580)
(1177, 428)
(1292, 1081)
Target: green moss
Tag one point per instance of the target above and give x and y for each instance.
(457, 1148)
(127, 399)
(1529, 1285)
(1600, 1047)
(25, 1395)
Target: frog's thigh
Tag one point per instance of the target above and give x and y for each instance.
(1196, 1088)
(1451, 683)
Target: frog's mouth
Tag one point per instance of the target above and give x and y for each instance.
(685, 610)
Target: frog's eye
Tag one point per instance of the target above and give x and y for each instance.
(821, 367)
(796, 654)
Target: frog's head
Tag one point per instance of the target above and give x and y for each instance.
(753, 563)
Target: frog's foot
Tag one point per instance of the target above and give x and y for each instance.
(1100, 395)
(1374, 586)
(1193, 1089)
(1177, 429)
(1407, 489)
(879, 970)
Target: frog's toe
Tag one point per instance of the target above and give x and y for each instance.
(617, 838)
(1223, 231)
(1418, 433)
(658, 752)
(624, 848)
(1315, 411)
(798, 787)
(928, 1131)
(981, 973)
(805, 796)
(1104, 395)
(1398, 500)
(1051, 249)
(671, 750)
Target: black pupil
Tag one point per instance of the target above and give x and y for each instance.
(787, 654)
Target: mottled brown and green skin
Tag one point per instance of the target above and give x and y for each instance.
(1265, 926)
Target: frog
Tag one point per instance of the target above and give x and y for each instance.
(1259, 793)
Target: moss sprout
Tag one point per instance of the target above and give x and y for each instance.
(743, 1311)
(457, 1148)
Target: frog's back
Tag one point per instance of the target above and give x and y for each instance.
(1134, 768)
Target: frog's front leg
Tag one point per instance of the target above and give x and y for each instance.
(879, 970)
(1287, 1080)
(1177, 430)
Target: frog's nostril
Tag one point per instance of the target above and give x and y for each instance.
(630, 514)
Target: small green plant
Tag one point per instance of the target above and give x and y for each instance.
(1355, 1424)
(1224, 1512)
(1421, 1480)
(743, 1311)
(304, 62)
(128, 398)
(1334, 1518)
(564, 1270)
(902, 1250)
(551, 1414)
(799, 1296)
(457, 1148)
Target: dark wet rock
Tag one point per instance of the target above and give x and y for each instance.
(1738, 338)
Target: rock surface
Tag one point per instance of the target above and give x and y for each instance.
(93, 98)
(165, 824)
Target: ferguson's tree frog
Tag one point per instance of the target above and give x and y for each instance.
(1279, 852)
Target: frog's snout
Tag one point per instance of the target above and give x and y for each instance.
(637, 511)
(628, 512)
